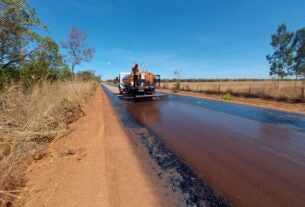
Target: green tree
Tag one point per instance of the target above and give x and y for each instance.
(281, 60)
(26, 56)
(43, 63)
(18, 21)
(299, 44)
(61, 73)
(299, 65)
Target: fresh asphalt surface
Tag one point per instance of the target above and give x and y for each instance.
(253, 156)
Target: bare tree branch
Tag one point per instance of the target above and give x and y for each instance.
(78, 51)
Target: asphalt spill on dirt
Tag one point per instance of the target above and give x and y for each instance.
(189, 188)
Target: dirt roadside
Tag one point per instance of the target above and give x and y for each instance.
(94, 165)
(258, 102)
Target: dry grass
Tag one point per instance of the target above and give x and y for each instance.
(283, 90)
(29, 122)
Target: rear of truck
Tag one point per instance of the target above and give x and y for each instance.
(143, 83)
(140, 83)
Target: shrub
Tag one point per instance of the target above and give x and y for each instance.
(87, 75)
(227, 97)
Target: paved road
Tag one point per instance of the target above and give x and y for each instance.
(253, 156)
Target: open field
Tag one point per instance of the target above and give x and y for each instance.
(293, 107)
(280, 90)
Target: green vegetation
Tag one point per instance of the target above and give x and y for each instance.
(227, 97)
(18, 21)
(26, 57)
(299, 45)
(288, 58)
(282, 58)
(88, 75)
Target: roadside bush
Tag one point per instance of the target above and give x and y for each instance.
(7, 76)
(63, 73)
(227, 97)
(88, 75)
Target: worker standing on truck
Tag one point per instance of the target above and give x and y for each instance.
(136, 69)
(136, 73)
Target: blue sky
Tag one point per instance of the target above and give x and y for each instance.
(201, 38)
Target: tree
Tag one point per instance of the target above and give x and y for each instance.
(299, 65)
(77, 48)
(299, 44)
(18, 21)
(42, 63)
(281, 60)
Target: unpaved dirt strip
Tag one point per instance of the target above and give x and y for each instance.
(95, 165)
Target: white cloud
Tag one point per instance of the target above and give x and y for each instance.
(108, 63)
(93, 6)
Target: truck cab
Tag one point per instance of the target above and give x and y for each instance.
(123, 80)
